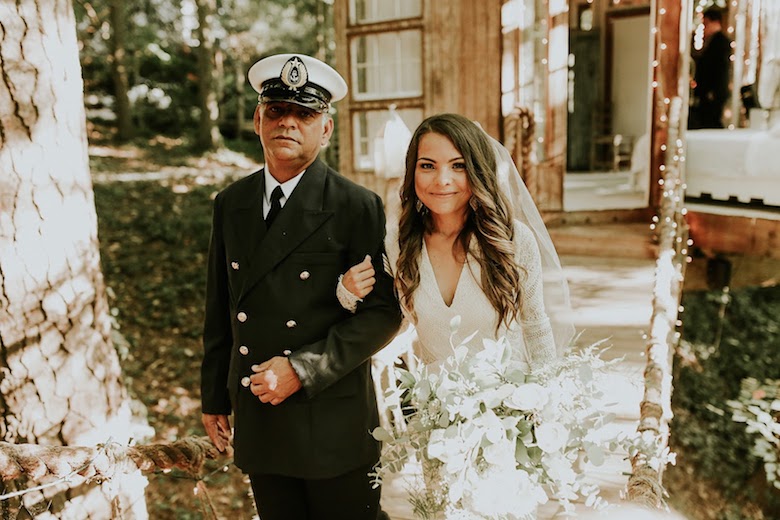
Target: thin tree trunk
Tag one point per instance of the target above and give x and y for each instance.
(119, 75)
(208, 137)
(240, 99)
(60, 378)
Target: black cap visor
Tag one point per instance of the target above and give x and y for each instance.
(309, 96)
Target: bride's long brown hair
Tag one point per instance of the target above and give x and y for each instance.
(490, 224)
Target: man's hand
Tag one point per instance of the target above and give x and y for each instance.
(218, 430)
(360, 278)
(274, 381)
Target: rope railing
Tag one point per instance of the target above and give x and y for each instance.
(56, 465)
(104, 460)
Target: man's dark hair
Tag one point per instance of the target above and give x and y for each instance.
(714, 14)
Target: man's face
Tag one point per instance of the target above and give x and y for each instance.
(710, 26)
(291, 135)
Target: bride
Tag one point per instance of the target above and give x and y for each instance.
(469, 242)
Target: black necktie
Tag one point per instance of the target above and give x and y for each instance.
(276, 206)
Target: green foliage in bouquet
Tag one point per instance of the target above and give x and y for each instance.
(494, 440)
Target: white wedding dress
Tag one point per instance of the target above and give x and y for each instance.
(530, 337)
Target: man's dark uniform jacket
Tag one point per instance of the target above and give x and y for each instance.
(711, 77)
(272, 292)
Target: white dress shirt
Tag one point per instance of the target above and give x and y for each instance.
(287, 189)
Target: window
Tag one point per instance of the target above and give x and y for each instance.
(370, 11)
(387, 65)
(367, 128)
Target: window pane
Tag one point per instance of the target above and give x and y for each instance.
(387, 65)
(371, 11)
(367, 127)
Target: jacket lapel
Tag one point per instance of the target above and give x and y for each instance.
(246, 226)
(301, 216)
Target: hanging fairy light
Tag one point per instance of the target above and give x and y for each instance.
(671, 233)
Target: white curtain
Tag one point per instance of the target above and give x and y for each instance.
(769, 79)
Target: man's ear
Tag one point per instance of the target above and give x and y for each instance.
(328, 131)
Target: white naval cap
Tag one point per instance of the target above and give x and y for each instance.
(299, 79)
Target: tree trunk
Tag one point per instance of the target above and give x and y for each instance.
(125, 127)
(240, 85)
(208, 137)
(60, 378)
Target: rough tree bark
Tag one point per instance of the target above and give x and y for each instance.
(60, 377)
(208, 137)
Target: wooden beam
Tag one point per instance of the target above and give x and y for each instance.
(731, 234)
(340, 20)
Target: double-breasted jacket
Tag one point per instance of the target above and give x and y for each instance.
(271, 292)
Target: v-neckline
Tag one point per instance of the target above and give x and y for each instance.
(427, 261)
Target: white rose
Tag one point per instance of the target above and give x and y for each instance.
(551, 437)
(528, 397)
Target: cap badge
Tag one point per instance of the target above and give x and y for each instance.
(294, 73)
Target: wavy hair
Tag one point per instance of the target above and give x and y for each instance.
(490, 224)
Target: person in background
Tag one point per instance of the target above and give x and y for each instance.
(280, 353)
(711, 74)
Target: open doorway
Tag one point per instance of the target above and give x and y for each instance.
(608, 145)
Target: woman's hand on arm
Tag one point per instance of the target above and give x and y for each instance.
(360, 278)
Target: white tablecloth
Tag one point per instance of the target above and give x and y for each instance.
(743, 163)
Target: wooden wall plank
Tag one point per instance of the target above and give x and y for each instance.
(441, 58)
(747, 236)
(340, 19)
(479, 65)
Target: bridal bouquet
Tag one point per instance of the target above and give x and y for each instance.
(495, 442)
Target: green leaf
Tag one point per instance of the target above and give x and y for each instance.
(521, 453)
(586, 373)
(455, 324)
(382, 435)
(405, 377)
(535, 454)
(595, 454)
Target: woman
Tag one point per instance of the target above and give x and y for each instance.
(458, 250)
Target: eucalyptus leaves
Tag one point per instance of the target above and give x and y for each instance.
(495, 441)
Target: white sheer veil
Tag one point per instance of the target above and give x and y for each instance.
(555, 286)
(557, 302)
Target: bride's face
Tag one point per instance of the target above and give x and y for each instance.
(440, 177)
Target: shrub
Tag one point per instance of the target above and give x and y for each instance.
(726, 338)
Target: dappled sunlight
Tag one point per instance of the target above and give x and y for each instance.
(166, 143)
(114, 151)
(615, 292)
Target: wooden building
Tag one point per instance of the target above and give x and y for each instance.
(588, 95)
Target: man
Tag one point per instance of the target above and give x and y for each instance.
(711, 74)
(279, 351)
